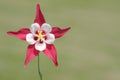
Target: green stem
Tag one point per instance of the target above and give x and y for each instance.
(40, 74)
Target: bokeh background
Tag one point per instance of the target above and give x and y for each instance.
(89, 51)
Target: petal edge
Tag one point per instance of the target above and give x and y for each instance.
(30, 38)
(40, 46)
(50, 39)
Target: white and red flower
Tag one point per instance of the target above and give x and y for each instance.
(40, 37)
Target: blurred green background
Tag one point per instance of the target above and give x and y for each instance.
(89, 51)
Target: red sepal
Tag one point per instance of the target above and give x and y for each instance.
(39, 16)
(21, 34)
(58, 32)
(51, 52)
(30, 54)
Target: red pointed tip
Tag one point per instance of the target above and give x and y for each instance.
(68, 28)
(39, 15)
(9, 33)
(56, 64)
(38, 6)
(24, 66)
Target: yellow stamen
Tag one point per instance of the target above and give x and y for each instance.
(40, 36)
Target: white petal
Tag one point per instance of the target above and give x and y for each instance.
(46, 27)
(34, 27)
(30, 38)
(40, 46)
(50, 39)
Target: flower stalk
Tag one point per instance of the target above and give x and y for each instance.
(39, 72)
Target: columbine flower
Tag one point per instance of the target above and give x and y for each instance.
(40, 37)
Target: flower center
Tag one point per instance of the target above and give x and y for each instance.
(40, 36)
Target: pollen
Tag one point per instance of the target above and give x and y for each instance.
(40, 36)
